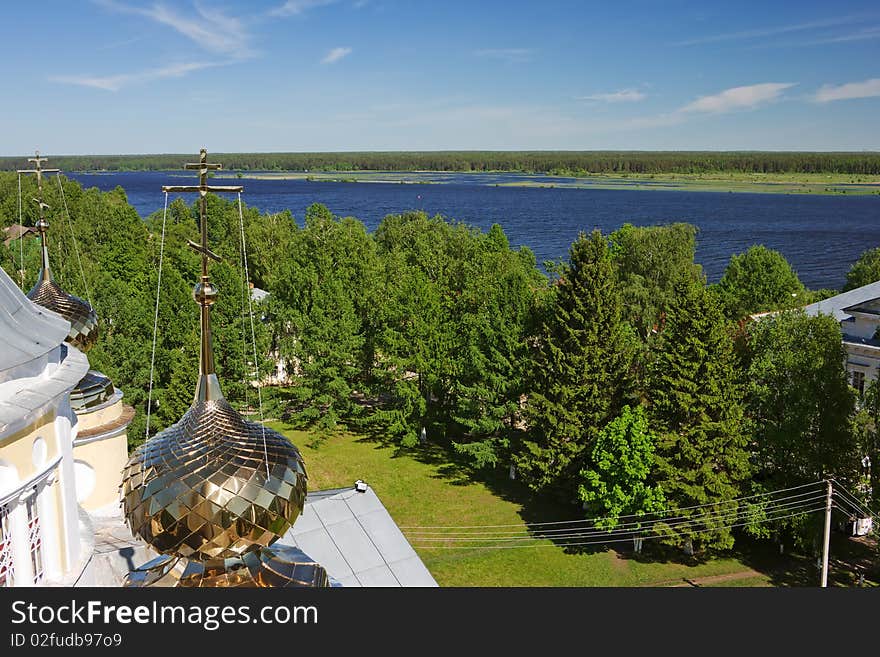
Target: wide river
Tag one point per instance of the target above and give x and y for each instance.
(821, 236)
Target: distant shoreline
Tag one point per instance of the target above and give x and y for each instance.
(802, 172)
(822, 184)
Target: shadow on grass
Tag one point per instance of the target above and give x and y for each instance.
(456, 469)
(850, 558)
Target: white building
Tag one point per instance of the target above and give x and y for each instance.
(62, 447)
(858, 312)
(60, 468)
(39, 515)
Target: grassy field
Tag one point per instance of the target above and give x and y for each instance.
(425, 488)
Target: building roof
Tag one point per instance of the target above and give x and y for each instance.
(16, 231)
(36, 367)
(29, 332)
(353, 536)
(258, 295)
(837, 305)
(349, 533)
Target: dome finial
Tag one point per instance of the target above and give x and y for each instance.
(213, 492)
(46, 292)
(41, 224)
(204, 293)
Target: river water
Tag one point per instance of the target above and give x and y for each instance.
(821, 236)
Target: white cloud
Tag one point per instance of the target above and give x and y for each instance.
(860, 35)
(335, 55)
(296, 7)
(736, 98)
(211, 29)
(117, 82)
(867, 89)
(622, 96)
(770, 31)
(506, 54)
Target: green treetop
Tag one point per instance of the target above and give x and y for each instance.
(759, 280)
(696, 406)
(864, 271)
(580, 370)
(618, 483)
(648, 260)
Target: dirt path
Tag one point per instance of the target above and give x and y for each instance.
(697, 582)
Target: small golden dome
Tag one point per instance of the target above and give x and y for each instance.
(82, 317)
(93, 390)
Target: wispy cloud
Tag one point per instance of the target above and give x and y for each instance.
(507, 54)
(850, 90)
(845, 36)
(622, 96)
(211, 29)
(729, 100)
(335, 55)
(860, 35)
(296, 7)
(737, 98)
(770, 31)
(117, 82)
(120, 44)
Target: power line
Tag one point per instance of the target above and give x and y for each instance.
(156, 319)
(851, 508)
(682, 525)
(840, 490)
(644, 519)
(613, 540)
(253, 335)
(20, 238)
(621, 526)
(633, 515)
(75, 245)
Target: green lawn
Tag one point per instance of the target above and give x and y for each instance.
(423, 488)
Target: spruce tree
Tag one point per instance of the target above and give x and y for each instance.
(580, 371)
(497, 319)
(696, 406)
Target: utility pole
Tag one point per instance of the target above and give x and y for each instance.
(827, 537)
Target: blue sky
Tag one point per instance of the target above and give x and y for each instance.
(140, 76)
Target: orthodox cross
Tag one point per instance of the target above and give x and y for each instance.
(41, 224)
(205, 293)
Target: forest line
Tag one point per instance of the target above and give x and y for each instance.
(573, 163)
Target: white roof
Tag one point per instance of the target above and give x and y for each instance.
(29, 331)
(354, 537)
(350, 534)
(838, 304)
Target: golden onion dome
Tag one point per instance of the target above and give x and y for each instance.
(279, 567)
(213, 485)
(47, 293)
(82, 317)
(213, 491)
